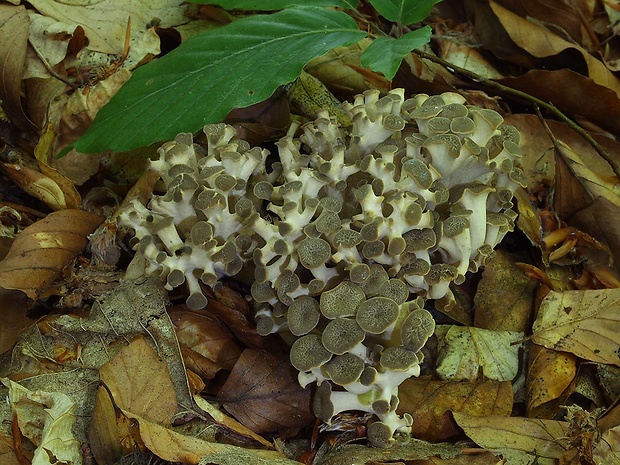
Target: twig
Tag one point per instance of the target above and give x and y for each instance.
(615, 165)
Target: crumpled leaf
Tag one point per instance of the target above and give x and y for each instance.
(385, 54)
(550, 377)
(585, 323)
(207, 345)
(539, 439)
(105, 22)
(192, 86)
(46, 418)
(429, 402)
(40, 253)
(504, 295)
(467, 352)
(262, 392)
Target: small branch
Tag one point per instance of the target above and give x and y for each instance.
(615, 164)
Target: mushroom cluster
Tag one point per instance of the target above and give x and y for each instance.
(342, 236)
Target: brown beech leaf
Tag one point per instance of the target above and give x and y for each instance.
(537, 438)
(504, 297)
(585, 323)
(262, 392)
(8, 455)
(140, 382)
(550, 377)
(206, 344)
(429, 402)
(44, 249)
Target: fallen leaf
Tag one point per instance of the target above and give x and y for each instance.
(207, 345)
(429, 402)
(550, 378)
(39, 186)
(40, 253)
(464, 353)
(262, 392)
(607, 450)
(13, 318)
(106, 432)
(140, 382)
(504, 296)
(47, 419)
(8, 455)
(14, 43)
(585, 323)
(538, 438)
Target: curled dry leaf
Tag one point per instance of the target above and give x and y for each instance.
(504, 297)
(44, 249)
(429, 402)
(262, 392)
(550, 378)
(585, 323)
(206, 344)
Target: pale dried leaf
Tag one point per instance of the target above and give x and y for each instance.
(140, 382)
(46, 418)
(465, 353)
(230, 422)
(607, 450)
(540, 438)
(38, 185)
(44, 249)
(585, 323)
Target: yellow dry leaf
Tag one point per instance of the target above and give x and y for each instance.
(46, 418)
(140, 382)
(464, 352)
(585, 323)
(538, 439)
(176, 447)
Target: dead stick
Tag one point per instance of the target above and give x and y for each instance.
(615, 165)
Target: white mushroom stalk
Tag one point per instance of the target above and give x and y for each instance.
(342, 237)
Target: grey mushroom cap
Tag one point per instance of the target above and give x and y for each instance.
(308, 352)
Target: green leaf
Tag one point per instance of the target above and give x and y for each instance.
(404, 11)
(269, 5)
(386, 53)
(233, 66)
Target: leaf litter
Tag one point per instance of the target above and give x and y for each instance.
(554, 272)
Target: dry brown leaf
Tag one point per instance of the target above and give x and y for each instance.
(44, 249)
(13, 45)
(573, 94)
(13, 317)
(7, 451)
(542, 43)
(106, 430)
(504, 297)
(429, 402)
(585, 323)
(262, 392)
(540, 438)
(206, 344)
(607, 450)
(140, 382)
(550, 378)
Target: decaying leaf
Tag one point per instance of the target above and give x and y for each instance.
(206, 344)
(262, 392)
(465, 353)
(585, 323)
(8, 455)
(44, 249)
(505, 295)
(46, 418)
(537, 439)
(430, 403)
(549, 379)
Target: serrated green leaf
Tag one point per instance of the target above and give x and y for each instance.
(386, 53)
(404, 11)
(269, 5)
(233, 66)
